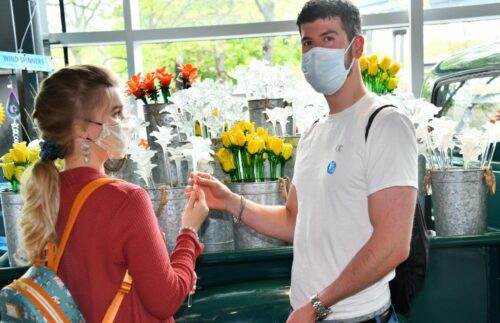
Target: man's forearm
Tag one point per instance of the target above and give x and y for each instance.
(271, 220)
(371, 263)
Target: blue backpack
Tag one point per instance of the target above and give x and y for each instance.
(40, 295)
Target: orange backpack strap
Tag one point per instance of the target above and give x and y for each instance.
(75, 209)
(109, 317)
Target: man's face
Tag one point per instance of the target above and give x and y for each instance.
(327, 33)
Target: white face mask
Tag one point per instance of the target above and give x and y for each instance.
(114, 138)
(324, 68)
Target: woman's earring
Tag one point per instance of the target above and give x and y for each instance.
(86, 150)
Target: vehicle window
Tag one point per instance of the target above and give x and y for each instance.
(471, 102)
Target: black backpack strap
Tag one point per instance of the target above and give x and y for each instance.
(374, 114)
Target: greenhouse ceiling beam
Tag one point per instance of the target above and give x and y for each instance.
(475, 12)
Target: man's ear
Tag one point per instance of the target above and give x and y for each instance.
(358, 46)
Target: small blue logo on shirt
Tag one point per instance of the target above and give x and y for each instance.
(330, 169)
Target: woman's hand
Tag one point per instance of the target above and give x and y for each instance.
(218, 196)
(196, 210)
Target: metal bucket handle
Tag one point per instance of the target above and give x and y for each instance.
(490, 180)
(284, 187)
(122, 162)
(163, 201)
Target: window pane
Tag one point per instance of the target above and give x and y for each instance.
(86, 15)
(471, 102)
(189, 13)
(431, 4)
(218, 57)
(113, 57)
(442, 40)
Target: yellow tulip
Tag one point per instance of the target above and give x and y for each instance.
(215, 112)
(275, 144)
(223, 154)
(262, 132)
(8, 170)
(228, 165)
(59, 163)
(249, 136)
(372, 69)
(7, 158)
(393, 83)
(287, 151)
(18, 173)
(33, 154)
(256, 145)
(373, 59)
(19, 152)
(226, 140)
(384, 76)
(237, 137)
(385, 63)
(394, 69)
(246, 126)
(363, 63)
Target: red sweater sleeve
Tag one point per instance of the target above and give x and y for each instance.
(162, 283)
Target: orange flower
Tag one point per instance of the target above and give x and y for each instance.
(133, 86)
(144, 143)
(148, 83)
(187, 71)
(165, 79)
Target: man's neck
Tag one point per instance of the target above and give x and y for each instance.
(352, 90)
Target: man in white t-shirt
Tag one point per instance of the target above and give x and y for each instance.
(349, 212)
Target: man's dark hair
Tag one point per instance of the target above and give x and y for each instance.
(322, 9)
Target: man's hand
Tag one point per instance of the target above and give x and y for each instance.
(303, 314)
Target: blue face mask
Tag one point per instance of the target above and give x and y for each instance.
(324, 68)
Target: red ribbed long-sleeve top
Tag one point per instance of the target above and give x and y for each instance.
(117, 230)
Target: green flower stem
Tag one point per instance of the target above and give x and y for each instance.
(165, 93)
(234, 176)
(259, 164)
(273, 162)
(235, 152)
(15, 185)
(248, 166)
(282, 167)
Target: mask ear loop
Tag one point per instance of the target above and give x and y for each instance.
(352, 60)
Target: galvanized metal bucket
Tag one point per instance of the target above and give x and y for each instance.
(459, 201)
(267, 193)
(256, 109)
(217, 232)
(123, 169)
(12, 205)
(169, 204)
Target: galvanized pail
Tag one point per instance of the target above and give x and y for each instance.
(256, 109)
(168, 204)
(267, 193)
(421, 175)
(217, 232)
(123, 169)
(12, 205)
(459, 201)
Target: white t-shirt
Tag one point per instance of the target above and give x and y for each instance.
(335, 172)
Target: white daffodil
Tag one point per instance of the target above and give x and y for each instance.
(200, 151)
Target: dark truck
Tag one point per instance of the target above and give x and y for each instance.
(463, 278)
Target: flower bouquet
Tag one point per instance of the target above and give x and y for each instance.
(246, 151)
(15, 162)
(379, 77)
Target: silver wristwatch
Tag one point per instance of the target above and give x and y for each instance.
(321, 311)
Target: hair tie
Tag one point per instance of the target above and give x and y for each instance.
(50, 151)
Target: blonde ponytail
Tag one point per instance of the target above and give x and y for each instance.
(40, 189)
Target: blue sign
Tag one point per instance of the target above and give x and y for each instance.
(16, 61)
(330, 169)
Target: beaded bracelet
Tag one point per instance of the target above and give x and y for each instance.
(190, 229)
(242, 207)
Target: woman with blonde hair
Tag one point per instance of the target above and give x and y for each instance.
(79, 113)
